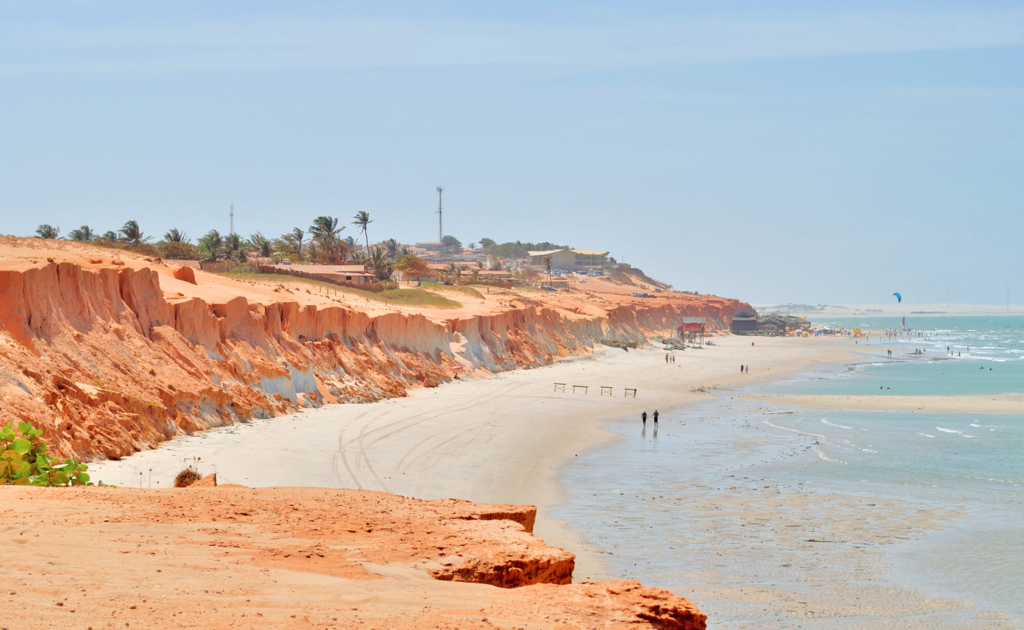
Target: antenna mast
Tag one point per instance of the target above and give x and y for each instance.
(232, 215)
(440, 224)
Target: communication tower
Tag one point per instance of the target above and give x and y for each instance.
(440, 224)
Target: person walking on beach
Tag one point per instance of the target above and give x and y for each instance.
(655, 417)
(747, 367)
(644, 417)
(741, 369)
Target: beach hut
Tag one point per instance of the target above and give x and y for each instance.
(744, 323)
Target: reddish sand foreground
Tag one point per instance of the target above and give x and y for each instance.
(234, 557)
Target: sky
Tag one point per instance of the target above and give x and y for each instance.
(775, 152)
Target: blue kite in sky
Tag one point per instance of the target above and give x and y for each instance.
(899, 298)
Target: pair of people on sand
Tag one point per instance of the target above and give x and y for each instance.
(643, 416)
(745, 368)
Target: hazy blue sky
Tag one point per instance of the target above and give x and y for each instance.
(808, 151)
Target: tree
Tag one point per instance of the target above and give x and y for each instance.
(362, 219)
(452, 244)
(486, 242)
(454, 272)
(235, 248)
(294, 240)
(391, 246)
(132, 234)
(110, 237)
(263, 246)
(471, 246)
(174, 235)
(383, 267)
(173, 250)
(547, 265)
(211, 246)
(325, 232)
(46, 231)
(83, 234)
(411, 265)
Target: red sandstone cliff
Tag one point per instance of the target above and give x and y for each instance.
(107, 362)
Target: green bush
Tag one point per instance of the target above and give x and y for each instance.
(25, 462)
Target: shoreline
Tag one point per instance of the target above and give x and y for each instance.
(961, 404)
(733, 512)
(503, 438)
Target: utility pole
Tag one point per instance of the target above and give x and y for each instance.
(232, 215)
(440, 224)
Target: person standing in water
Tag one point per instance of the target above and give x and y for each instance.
(643, 416)
(655, 416)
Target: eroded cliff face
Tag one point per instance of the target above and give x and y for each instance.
(106, 365)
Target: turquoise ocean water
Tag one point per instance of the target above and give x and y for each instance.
(642, 497)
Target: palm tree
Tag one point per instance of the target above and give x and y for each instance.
(235, 248)
(132, 234)
(454, 272)
(383, 267)
(358, 258)
(211, 245)
(296, 236)
(175, 236)
(392, 248)
(325, 232)
(109, 236)
(262, 245)
(362, 219)
(83, 234)
(547, 265)
(48, 231)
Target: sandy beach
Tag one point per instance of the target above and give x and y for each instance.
(501, 438)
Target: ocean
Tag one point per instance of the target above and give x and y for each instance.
(775, 517)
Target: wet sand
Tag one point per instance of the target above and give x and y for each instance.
(977, 403)
(723, 508)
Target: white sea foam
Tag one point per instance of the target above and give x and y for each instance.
(833, 424)
(822, 455)
(926, 435)
(976, 425)
(949, 430)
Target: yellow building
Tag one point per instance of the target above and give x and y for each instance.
(569, 258)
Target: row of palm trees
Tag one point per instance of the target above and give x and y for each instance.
(322, 244)
(129, 234)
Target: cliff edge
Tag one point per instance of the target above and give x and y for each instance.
(110, 352)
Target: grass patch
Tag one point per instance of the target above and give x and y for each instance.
(415, 297)
(437, 286)
(397, 297)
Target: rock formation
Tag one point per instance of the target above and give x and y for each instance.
(219, 557)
